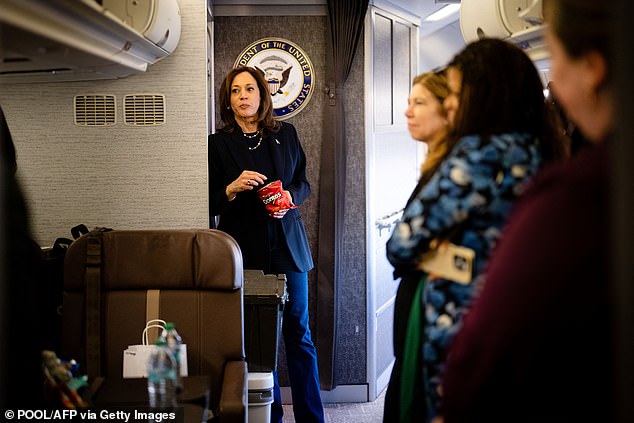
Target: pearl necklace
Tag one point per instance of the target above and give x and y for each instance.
(252, 136)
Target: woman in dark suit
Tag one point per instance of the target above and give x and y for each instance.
(251, 150)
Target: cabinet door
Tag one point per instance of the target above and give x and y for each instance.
(392, 162)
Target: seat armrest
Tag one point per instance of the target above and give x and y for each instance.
(233, 399)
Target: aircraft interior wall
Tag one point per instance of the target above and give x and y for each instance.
(439, 47)
(118, 176)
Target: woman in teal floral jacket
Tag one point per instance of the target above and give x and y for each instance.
(501, 132)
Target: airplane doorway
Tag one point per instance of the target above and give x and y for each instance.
(392, 163)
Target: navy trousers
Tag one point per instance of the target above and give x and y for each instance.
(301, 356)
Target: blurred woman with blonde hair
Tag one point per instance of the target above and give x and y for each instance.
(427, 122)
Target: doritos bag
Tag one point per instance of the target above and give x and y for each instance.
(274, 197)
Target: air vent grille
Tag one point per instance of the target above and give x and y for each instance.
(144, 109)
(95, 110)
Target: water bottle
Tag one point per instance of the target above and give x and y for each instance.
(174, 341)
(161, 377)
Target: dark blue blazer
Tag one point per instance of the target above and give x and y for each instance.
(245, 218)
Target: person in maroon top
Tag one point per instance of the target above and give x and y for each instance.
(536, 345)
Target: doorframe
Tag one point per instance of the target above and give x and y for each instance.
(377, 382)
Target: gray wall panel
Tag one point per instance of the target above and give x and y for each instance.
(351, 360)
(120, 176)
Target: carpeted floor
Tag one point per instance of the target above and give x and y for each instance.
(363, 412)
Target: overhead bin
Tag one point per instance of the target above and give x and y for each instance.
(518, 21)
(73, 40)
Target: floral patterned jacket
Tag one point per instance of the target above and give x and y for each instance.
(467, 201)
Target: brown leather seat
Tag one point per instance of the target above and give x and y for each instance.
(199, 274)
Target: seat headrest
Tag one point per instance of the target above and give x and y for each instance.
(184, 259)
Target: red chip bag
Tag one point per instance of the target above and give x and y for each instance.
(274, 197)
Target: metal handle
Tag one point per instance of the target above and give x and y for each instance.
(388, 221)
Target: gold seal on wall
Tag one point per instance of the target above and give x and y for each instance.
(287, 69)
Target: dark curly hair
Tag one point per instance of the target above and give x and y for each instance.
(502, 93)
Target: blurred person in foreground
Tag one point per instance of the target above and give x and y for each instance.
(536, 345)
(23, 382)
